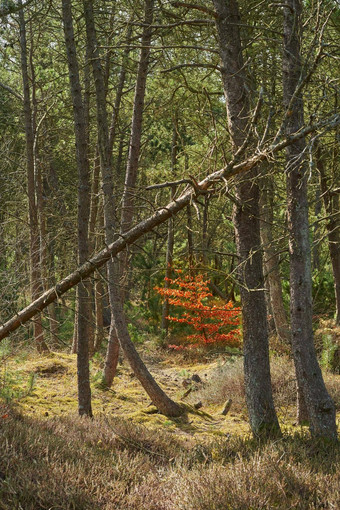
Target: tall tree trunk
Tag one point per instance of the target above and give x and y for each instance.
(90, 283)
(332, 207)
(119, 92)
(98, 289)
(190, 237)
(35, 274)
(84, 309)
(110, 221)
(317, 235)
(136, 134)
(190, 232)
(118, 324)
(271, 262)
(311, 387)
(171, 229)
(205, 232)
(168, 269)
(262, 415)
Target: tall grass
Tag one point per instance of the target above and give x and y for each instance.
(105, 463)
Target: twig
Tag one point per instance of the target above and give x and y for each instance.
(181, 66)
(12, 91)
(168, 184)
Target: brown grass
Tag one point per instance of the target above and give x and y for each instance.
(63, 462)
(227, 381)
(72, 463)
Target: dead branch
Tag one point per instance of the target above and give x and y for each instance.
(201, 8)
(182, 66)
(12, 91)
(168, 184)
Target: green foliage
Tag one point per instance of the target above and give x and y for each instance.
(329, 349)
(136, 335)
(12, 386)
(323, 291)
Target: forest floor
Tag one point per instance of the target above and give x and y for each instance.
(131, 457)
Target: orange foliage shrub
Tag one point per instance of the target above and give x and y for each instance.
(213, 325)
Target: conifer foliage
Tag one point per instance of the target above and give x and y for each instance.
(213, 324)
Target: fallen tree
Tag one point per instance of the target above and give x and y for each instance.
(191, 192)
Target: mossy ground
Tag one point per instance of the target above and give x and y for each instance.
(54, 393)
(130, 457)
(46, 386)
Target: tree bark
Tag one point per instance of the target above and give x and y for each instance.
(136, 133)
(317, 235)
(98, 289)
(190, 232)
(205, 239)
(262, 415)
(110, 221)
(320, 407)
(119, 93)
(271, 262)
(35, 273)
(168, 269)
(84, 310)
(171, 230)
(332, 208)
(118, 323)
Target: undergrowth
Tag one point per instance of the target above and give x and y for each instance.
(76, 463)
(53, 459)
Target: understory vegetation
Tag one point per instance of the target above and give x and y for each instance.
(65, 463)
(131, 457)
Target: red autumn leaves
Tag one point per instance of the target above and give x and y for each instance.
(212, 324)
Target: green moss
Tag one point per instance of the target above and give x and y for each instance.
(54, 393)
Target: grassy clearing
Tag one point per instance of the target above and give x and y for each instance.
(129, 457)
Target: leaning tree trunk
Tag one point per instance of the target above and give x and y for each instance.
(157, 395)
(311, 387)
(83, 311)
(262, 415)
(34, 253)
(147, 225)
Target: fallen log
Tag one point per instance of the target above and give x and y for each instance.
(193, 190)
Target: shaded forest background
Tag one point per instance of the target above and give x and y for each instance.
(152, 109)
(169, 254)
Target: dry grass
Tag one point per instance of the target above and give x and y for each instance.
(62, 462)
(72, 463)
(227, 381)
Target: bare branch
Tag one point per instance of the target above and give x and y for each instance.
(12, 91)
(206, 10)
(168, 184)
(194, 22)
(181, 66)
